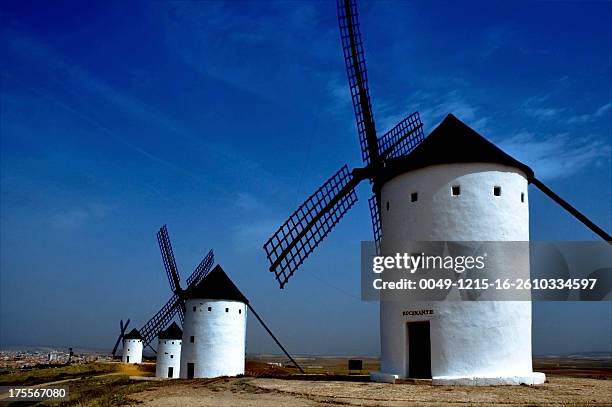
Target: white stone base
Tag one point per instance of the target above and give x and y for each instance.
(383, 377)
(530, 379)
(527, 379)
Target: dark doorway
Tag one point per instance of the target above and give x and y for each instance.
(127, 359)
(170, 371)
(419, 350)
(190, 368)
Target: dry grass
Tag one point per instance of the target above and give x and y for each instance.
(52, 374)
(90, 384)
(111, 390)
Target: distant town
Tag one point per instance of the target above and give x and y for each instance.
(41, 357)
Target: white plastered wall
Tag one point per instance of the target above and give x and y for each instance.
(219, 337)
(471, 341)
(168, 355)
(133, 349)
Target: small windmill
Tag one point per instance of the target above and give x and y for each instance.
(176, 303)
(306, 228)
(122, 329)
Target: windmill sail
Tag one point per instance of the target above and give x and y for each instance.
(375, 216)
(168, 257)
(202, 270)
(354, 59)
(291, 244)
(176, 304)
(402, 138)
(122, 329)
(161, 319)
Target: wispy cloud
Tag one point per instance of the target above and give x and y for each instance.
(62, 69)
(246, 202)
(74, 77)
(544, 113)
(193, 30)
(78, 217)
(255, 230)
(437, 107)
(556, 156)
(535, 107)
(589, 117)
(338, 94)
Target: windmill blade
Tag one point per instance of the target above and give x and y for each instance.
(202, 270)
(161, 319)
(122, 329)
(402, 138)
(375, 216)
(573, 211)
(293, 242)
(168, 257)
(354, 59)
(181, 312)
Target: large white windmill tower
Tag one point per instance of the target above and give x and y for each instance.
(452, 186)
(456, 186)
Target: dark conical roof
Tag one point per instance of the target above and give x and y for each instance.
(172, 332)
(216, 286)
(452, 141)
(133, 334)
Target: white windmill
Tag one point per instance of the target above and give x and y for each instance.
(214, 335)
(168, 363)
(453, 185)
(132, 347)
(220, 348)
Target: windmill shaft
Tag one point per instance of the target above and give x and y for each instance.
(274, 337)
(565, 205)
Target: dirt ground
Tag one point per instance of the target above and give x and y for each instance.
(251, 392)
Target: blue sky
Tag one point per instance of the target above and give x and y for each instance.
(220, 118)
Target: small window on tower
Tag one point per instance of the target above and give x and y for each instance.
(171, 356)
(414, 197)
(240, 311)
(209, 309)
(194, 308)
(227, 310)
(387, 206)
(497, 191)
(456, 190)
(522, 197)
(173, 342)
(192, 339)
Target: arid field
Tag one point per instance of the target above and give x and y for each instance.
(571, 382)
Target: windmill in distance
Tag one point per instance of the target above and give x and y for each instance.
(176, 304)
(122, 329)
